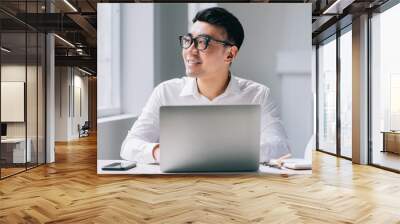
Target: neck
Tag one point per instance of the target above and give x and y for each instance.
(213, 87)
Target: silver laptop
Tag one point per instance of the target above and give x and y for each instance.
(217, 138)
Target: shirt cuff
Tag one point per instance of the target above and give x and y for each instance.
(147, 153)
(137, 150)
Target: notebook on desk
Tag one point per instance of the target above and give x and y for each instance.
(297, 164)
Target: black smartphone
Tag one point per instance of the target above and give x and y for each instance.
(118, 166)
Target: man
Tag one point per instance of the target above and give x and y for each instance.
(208, 51)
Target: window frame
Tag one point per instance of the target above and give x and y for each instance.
(334, 37)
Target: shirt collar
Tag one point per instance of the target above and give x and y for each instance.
(190, 87)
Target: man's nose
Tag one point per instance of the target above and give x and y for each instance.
(192, 49)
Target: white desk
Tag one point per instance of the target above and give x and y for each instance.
(19, 149)
(155, 169)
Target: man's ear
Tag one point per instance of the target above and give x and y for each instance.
(231, 54)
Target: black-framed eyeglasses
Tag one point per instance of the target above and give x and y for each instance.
(200, 42)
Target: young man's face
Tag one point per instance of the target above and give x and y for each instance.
(211, 61)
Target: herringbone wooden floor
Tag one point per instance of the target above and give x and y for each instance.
(70, 191)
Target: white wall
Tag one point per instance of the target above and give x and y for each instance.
(169, 23)
(81, 104)
(67, 80)
(137, 56)
(61, 103)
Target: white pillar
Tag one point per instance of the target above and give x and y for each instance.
(50, 99)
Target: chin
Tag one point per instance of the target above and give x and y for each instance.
(192, 74)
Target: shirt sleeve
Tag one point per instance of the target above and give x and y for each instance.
(274, 143)
(145, 132)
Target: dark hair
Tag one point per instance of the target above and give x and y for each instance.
(222, 18)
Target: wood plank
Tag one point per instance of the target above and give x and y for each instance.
(70, 191)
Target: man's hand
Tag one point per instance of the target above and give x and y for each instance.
(279, 162)
(156, 153)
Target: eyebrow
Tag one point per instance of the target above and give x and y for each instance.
(201, 35)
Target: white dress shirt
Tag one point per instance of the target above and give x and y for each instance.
(144, 134)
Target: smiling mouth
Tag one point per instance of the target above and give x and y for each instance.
(192, 62)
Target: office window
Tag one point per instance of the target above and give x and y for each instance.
(346, 93)
(108, 60)
(385, 87)
(327, 96)
(15, 148)
(22, 93)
